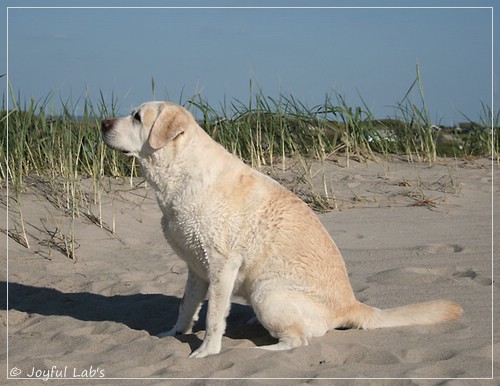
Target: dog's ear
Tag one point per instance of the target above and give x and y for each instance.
(171, 122)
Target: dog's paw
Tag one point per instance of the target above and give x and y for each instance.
(205, 350)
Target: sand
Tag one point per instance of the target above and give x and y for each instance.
(409, 232)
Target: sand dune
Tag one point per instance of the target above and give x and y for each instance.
(408, 233)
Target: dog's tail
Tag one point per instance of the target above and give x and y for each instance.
(366, 317)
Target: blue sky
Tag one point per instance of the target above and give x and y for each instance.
(307, 53)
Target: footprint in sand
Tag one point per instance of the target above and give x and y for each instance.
(425, 354)
(401, 276)
(439, 248)
(477, 277)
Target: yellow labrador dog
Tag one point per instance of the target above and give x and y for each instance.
(240, 232)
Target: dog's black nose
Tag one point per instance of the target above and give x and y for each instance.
(106, 124)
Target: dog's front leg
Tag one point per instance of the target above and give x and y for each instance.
(221, 286)
(194, 294)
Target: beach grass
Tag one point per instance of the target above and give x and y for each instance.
(65, 148)
(262, 131)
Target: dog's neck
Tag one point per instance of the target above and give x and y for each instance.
(172, 173)
(167, 179)
(187, 168)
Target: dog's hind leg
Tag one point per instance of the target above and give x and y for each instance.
(288, 314)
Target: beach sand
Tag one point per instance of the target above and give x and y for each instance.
(408, 232)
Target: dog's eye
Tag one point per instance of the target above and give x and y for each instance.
(137, 117)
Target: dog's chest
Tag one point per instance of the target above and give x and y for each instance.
(184, 233)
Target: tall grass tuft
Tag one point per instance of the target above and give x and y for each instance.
(416, 137)
(263, 130)
(56, 152)
(483, 137)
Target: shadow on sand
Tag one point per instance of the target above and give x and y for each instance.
(153, 313)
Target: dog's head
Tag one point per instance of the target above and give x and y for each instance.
(149, 127)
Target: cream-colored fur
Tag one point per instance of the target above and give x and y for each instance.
(240, 232)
